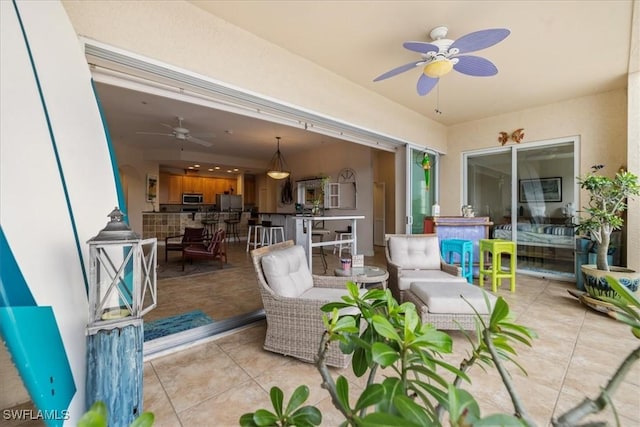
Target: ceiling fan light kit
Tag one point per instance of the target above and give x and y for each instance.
(442, 55)
(277, 166)
(437, 69)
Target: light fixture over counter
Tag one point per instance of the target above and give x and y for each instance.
(277, 166)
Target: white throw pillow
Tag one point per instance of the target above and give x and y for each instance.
(415, 252)
(287, 272)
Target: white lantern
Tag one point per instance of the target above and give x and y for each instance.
(122, 277)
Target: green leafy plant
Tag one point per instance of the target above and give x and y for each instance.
(607, 201)
(292, 415)
(98, 416)
(416, 386)
(414, 391)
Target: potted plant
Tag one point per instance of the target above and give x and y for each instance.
(607, 202)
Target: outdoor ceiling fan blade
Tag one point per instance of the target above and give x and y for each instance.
(421, 47)
(398, 70)
(154, 133)
(425, 84)
(475, 66)
(203, 135)
(199, 141)
(480, 40)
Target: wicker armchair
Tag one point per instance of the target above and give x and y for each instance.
(416, 258)
(294, 319)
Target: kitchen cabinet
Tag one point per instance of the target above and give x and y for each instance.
(170, 188)
(192, 184)
(209, 190)
(249, 192)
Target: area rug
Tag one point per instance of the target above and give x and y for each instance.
(173, 268)
(174, 324)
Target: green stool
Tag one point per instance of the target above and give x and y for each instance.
(497, 247)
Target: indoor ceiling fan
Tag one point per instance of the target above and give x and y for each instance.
(180, 133)
(441, 55)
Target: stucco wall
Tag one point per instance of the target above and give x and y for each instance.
(133, 169)
(200, 42)
(599, 120)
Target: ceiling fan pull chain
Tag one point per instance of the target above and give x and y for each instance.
(437, 110)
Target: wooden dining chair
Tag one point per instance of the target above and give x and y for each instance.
(190, 236)
(215, 249)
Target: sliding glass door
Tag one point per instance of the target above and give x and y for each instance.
(529, 192)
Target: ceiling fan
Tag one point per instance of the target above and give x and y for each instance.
(180, 133)
(441, 55)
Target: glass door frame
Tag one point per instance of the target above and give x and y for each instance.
(411, 152)
(514, 149)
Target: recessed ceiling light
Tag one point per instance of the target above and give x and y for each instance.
(190, 167)
(229, 170)
(217, 167)
(235, 169)
(196, 166)
(210, 170)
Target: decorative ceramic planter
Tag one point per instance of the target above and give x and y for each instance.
(596, 285)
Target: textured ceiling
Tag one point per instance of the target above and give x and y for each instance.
(557, 50)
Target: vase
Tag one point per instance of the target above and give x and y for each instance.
(596, 285)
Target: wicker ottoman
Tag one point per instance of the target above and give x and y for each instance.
(443, 305)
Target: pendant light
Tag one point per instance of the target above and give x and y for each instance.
(277, 166)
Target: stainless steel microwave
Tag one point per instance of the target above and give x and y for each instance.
(192, 198)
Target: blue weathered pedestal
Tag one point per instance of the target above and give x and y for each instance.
(115, 372)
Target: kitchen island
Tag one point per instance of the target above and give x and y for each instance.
(165, 224)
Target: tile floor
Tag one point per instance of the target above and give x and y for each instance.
(215, 381)
(212, 383)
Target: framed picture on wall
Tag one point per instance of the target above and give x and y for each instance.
(540, 190)
(152, 187)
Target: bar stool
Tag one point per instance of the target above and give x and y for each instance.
(342, 235)
(210, 222)
(254, 230)
(319, 234)
(464, 249)
(270, 233)
(497, 247)
(232, 225)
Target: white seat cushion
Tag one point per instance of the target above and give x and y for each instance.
(444, 298)
(415, 252)
(405, 277)
(287, 272)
